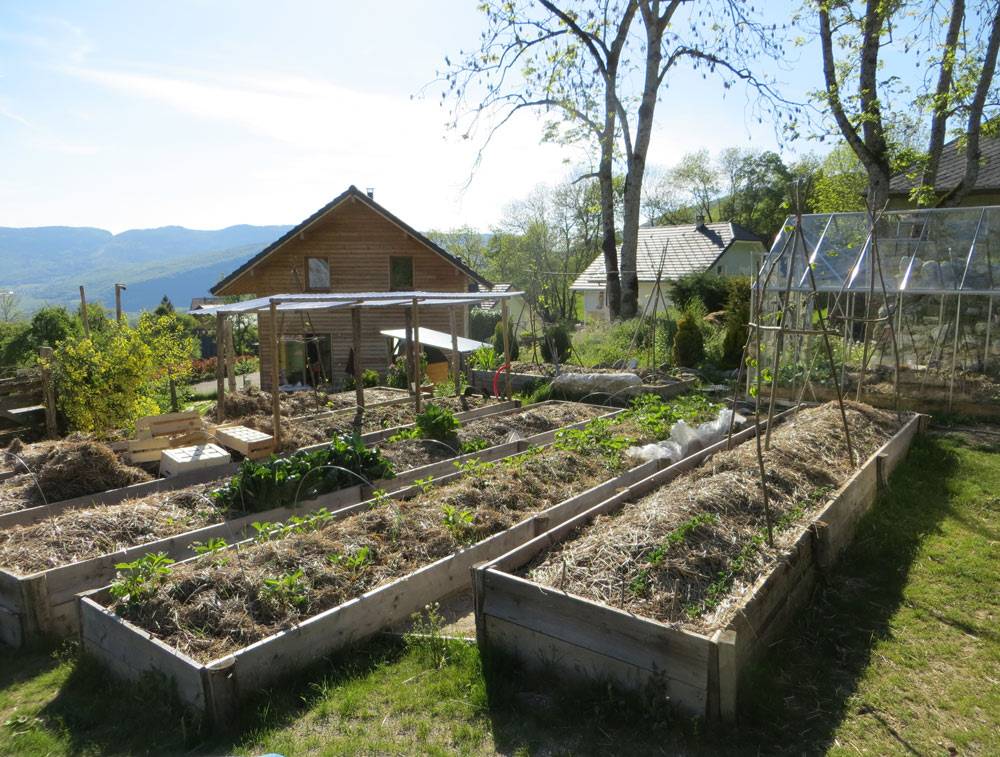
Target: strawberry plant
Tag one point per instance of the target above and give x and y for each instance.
(138, 579)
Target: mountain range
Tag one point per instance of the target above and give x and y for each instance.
(47, 265)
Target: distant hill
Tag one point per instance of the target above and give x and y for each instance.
(47, 265)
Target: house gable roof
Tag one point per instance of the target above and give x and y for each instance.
(354, 193)
(689, 249)
(951, 169)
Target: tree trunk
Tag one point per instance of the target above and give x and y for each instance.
(174, 407)
(609, 243)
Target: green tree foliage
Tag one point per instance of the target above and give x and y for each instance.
(464, 242)
(841, 184)
(711, 290)
(172, 346)
(48, 327)
(758, 189)
(689, 344)
(697, 177)
(482, 323)
(102, 380)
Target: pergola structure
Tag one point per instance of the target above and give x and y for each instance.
(275, 306)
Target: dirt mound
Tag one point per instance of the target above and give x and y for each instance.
(72, 469)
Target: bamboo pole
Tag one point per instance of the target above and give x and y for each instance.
(505, 319)
(220, 367)
(417, 378)
(275, 396)
(455, 357)
(989, 320)
(408, 326)
(83, 313)
(48, 392)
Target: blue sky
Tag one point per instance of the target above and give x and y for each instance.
(211, 113)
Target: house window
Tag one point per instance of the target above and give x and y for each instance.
(400, 274)
(319, 273)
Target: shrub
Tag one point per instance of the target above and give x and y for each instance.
(281, 481)
(482, 323)
(689, 344)
(396, 375)
(712, 290)
(556, 342)
(515, 350)
(369, 378)
(438, 423)
(737, 320)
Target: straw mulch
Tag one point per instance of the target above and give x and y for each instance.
(688, 552)
(81, 534)
(413, 453)
(212, 606)
(64, 470)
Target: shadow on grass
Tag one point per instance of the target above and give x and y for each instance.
(794, 700)
(99, 713)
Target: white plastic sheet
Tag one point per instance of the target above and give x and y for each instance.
(685, 440)
(583, 384)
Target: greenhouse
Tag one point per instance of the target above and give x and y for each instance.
(906, 301)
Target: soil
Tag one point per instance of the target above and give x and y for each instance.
(70, 536)
(688, 553)
(306, 431)
(214, 605)
(62, 470)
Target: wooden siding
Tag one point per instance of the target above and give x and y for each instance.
(358, 242)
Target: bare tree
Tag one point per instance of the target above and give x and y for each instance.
(958, 77)
(572, 58)
(10, 306)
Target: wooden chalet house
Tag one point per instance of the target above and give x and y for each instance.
(353, 244)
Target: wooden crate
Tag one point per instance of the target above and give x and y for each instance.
(216, 688)
(699, 673)
(49, 607)
(195, 457)
(249, 442)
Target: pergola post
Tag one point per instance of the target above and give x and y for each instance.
(455, 357)
(505, 318)
(220, 367)
(275, 396)
(408, 327)
(417, 380)
(359, 386)
(230, 356)
(83, 313)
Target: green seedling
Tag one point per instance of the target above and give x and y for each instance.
(138, 579)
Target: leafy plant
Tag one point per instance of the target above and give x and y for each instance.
(597, 434)
(138, 579)
(473, 466)
(484, 359)
(457, 521)
(424, 484)
(473, 445)
(289, 589)
(404, 434)
(353, 562)
(282, 481)
(515, 349)
(264, 530)
(212, 545)
(438, 423)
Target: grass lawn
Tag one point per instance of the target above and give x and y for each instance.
(898, 654)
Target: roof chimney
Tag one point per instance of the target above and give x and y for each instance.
(699, 221)
(370, 191)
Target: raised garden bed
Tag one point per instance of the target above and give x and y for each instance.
(677, 594)
(31, 511)
(388, 562)
(253, 401)
(61, 556)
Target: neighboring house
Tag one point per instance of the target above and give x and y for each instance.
(515, 305)
(951, 170)
(669, 252)
(352, 244)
